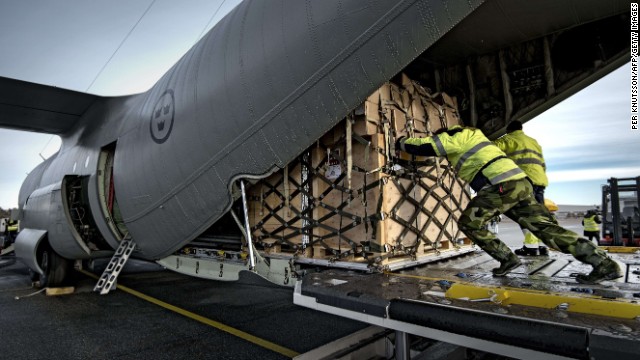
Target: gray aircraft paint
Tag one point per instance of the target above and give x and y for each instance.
(263, 85)
(232, 107)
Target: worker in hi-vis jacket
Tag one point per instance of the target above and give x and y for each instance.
(527, 154)
(591, 228)
(502, 187)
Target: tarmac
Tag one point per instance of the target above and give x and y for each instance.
(204, 319)
(159, 314)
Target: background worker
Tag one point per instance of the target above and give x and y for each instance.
(590, 223)
(502, 187)
(527, 154)
(10, 233)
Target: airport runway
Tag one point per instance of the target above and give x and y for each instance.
(180, 318)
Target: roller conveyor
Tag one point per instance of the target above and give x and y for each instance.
(537, 311)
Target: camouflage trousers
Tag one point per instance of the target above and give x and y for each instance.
(515, 200)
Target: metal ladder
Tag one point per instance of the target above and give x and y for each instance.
(110, 274)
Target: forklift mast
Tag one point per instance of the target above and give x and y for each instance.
(612, 222)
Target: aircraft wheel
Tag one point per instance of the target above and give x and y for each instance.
(55, 268)
(34, 276)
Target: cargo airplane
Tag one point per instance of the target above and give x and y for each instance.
(264, 84)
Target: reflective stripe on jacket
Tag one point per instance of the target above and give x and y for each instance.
(468, 151)
(526, 153)
(590, 223)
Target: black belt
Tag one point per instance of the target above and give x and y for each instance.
(479, 181)
(534, 185)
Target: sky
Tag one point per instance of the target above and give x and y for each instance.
(108, 48)
(587, 139)
(122, 47)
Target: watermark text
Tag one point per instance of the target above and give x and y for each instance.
(634, 66)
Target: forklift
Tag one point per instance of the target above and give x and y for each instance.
(620, 213)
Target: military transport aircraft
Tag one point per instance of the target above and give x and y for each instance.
(159, 168)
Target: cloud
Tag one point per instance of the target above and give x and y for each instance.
(586, 140)
(592, 174)
(23, 153)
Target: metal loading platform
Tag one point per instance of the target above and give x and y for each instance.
(538, 311)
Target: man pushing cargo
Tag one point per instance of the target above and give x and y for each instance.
(502, 188)
(527, 154)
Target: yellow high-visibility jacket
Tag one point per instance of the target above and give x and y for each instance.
(526, 153)
(468, 151)
(591, 223)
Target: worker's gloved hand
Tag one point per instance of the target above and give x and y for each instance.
(400, 143)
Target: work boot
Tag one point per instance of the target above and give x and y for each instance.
(526, 251)
(606, 270)
(507, 265)
(543, 251)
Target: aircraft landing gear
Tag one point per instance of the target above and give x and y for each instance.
(55, 268)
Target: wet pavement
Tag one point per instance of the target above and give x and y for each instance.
(86, 325)
(119, 325)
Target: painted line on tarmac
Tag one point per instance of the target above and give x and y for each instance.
(218, 325)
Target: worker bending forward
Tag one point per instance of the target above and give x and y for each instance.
(502, 187)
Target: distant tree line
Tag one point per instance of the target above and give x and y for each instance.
(5, 213)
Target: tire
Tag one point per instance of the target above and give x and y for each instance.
(630, 233)
(33, 276)
(54, 267)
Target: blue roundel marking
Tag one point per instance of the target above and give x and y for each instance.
(162, 117)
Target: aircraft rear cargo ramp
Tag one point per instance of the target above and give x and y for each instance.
(538, 312)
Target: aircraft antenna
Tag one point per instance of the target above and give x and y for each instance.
(120, 45)
(45, 146)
